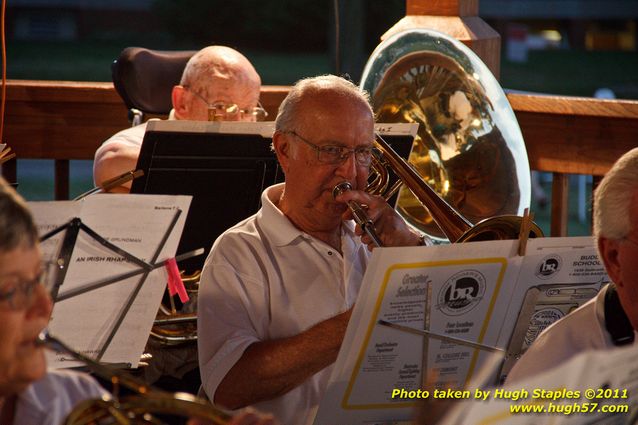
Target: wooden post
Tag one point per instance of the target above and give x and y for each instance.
(458, 19)
(62, 181)
(560, 205)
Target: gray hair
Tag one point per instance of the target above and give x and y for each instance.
(219, 62)
(316, 86)
(17, 228)
(612, 198)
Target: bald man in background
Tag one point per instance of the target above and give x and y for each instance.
(218, 84)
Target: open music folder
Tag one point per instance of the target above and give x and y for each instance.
(435, 296)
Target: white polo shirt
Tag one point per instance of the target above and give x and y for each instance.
(49, 400)
(265, 279)
(131, 137)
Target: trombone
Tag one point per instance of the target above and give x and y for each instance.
(455, 227)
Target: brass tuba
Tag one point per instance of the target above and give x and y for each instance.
(468, 148)
(141, 408)
(455, 227)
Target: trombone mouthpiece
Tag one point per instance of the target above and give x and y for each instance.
(358, 213)
(341, 188)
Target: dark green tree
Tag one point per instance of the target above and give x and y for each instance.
(264, 24)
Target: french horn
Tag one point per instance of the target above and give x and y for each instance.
(145, 406)
(173, 327)
(469, 147)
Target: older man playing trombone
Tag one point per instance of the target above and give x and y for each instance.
(277, 289)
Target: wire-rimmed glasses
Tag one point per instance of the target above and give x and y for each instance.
(633, 242)
(16, 293)
(220, 111)
(334, 155)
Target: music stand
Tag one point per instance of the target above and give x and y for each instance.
(225, 166)
(147, 246)
(72, 230)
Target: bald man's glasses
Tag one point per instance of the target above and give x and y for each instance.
(220, 111)
(335, 155)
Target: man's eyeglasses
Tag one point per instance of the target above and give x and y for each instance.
(231, 112)
(630, 240)
(17, 293)
(334, 155)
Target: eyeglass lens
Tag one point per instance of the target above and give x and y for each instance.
(17, 294)
(337, 154)
(233, 112)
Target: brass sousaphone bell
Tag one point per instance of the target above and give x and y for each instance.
(469, 151)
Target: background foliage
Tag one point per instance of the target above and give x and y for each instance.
(284, 25)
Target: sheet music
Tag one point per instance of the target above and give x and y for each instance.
(561, 275)
(475, 293)
(465, 280)
(49, 216)
(135, 223)
(265, 129)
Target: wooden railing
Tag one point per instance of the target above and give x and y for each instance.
(563, 135)
(573, 135)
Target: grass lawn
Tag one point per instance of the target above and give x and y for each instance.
(35, 178)
(91, 61)
(566, 72)
(579, 215)
(575, 73)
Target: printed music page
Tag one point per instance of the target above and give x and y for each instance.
(138, 224)
(49, 216)
(473, 292)
(557, 276)
(461, 291)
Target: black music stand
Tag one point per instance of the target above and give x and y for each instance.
(225, 166)
(224, 172)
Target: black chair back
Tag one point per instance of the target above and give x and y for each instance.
(144, 78)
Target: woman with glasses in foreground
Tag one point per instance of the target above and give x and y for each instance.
(29, 393)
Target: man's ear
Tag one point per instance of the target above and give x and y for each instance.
(608, 249)
(180, 104)
(282, 147)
